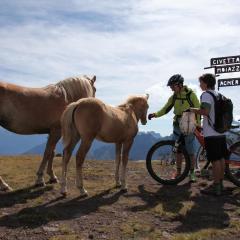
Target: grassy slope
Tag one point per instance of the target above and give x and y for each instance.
(147, 211)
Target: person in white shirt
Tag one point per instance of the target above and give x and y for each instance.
(215, 143)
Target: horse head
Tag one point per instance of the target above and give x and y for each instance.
(140, 107)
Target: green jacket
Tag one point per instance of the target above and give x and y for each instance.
(181, 102)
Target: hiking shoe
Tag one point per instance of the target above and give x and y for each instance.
(192, 177)
(204, 173)
(197, 170)
(214, 190)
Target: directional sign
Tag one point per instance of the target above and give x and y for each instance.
(227, 68)
(225, 60)
(228, 82)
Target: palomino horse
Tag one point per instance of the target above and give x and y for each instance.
(90, 118)
(38, 111)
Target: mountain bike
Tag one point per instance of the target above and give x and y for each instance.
(163, 167)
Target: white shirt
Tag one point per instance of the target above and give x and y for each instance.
(208, 121)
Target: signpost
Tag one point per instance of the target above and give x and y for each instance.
(223, 65)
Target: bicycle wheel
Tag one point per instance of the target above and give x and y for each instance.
(232, 169)
(162, 166)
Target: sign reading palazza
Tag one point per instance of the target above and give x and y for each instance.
(227, 68)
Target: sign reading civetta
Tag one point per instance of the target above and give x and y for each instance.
(225, 60)
(222, 65)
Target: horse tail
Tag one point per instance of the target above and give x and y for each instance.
(69, 130)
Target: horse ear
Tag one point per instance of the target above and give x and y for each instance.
(93, 79)
(147, 96)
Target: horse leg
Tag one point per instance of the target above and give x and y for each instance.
(50, 172)
(48, 154)
(117, 163)
(81, 154)
(4, 186)
(67, 152)
(126, 148)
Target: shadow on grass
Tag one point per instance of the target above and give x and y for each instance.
(171, 198)
(54, 210)
(208, 212)
(20, 196)
(205, 211)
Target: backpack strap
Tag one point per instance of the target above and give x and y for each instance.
(215, 100)
(213, 95)
(174, 98)
(189, 98)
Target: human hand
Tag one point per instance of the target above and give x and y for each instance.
(194, 110)
(199, 128)
(151, 115)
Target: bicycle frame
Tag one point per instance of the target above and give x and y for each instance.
(171, 176)
(200, 139)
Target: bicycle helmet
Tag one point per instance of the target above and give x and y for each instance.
(175, 79)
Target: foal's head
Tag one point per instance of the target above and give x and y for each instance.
(140, 106)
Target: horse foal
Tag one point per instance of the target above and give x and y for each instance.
(90, 118)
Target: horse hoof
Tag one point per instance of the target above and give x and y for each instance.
(118, 185)
(6, 189)
(9, 189)
(39, 185)
(83, 193)
(53, 181)
(124, 190)
(64, 194)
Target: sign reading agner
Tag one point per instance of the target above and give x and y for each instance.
(225, 60)
(228, 82)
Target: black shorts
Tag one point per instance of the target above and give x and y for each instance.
(216, 147)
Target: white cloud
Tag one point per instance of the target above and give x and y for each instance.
(132, 46)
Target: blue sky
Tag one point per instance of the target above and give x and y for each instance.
(132, 46)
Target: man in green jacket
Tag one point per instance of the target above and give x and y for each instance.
(182, 99)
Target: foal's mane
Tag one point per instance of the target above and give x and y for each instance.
(131, 100)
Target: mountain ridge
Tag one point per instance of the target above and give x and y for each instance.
(106, 151)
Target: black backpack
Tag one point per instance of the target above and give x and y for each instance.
(223, 108)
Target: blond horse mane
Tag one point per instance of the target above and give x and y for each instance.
(130, 101)
(74, 88)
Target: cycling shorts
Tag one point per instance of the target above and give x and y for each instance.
(190, 140)
(216, 147)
